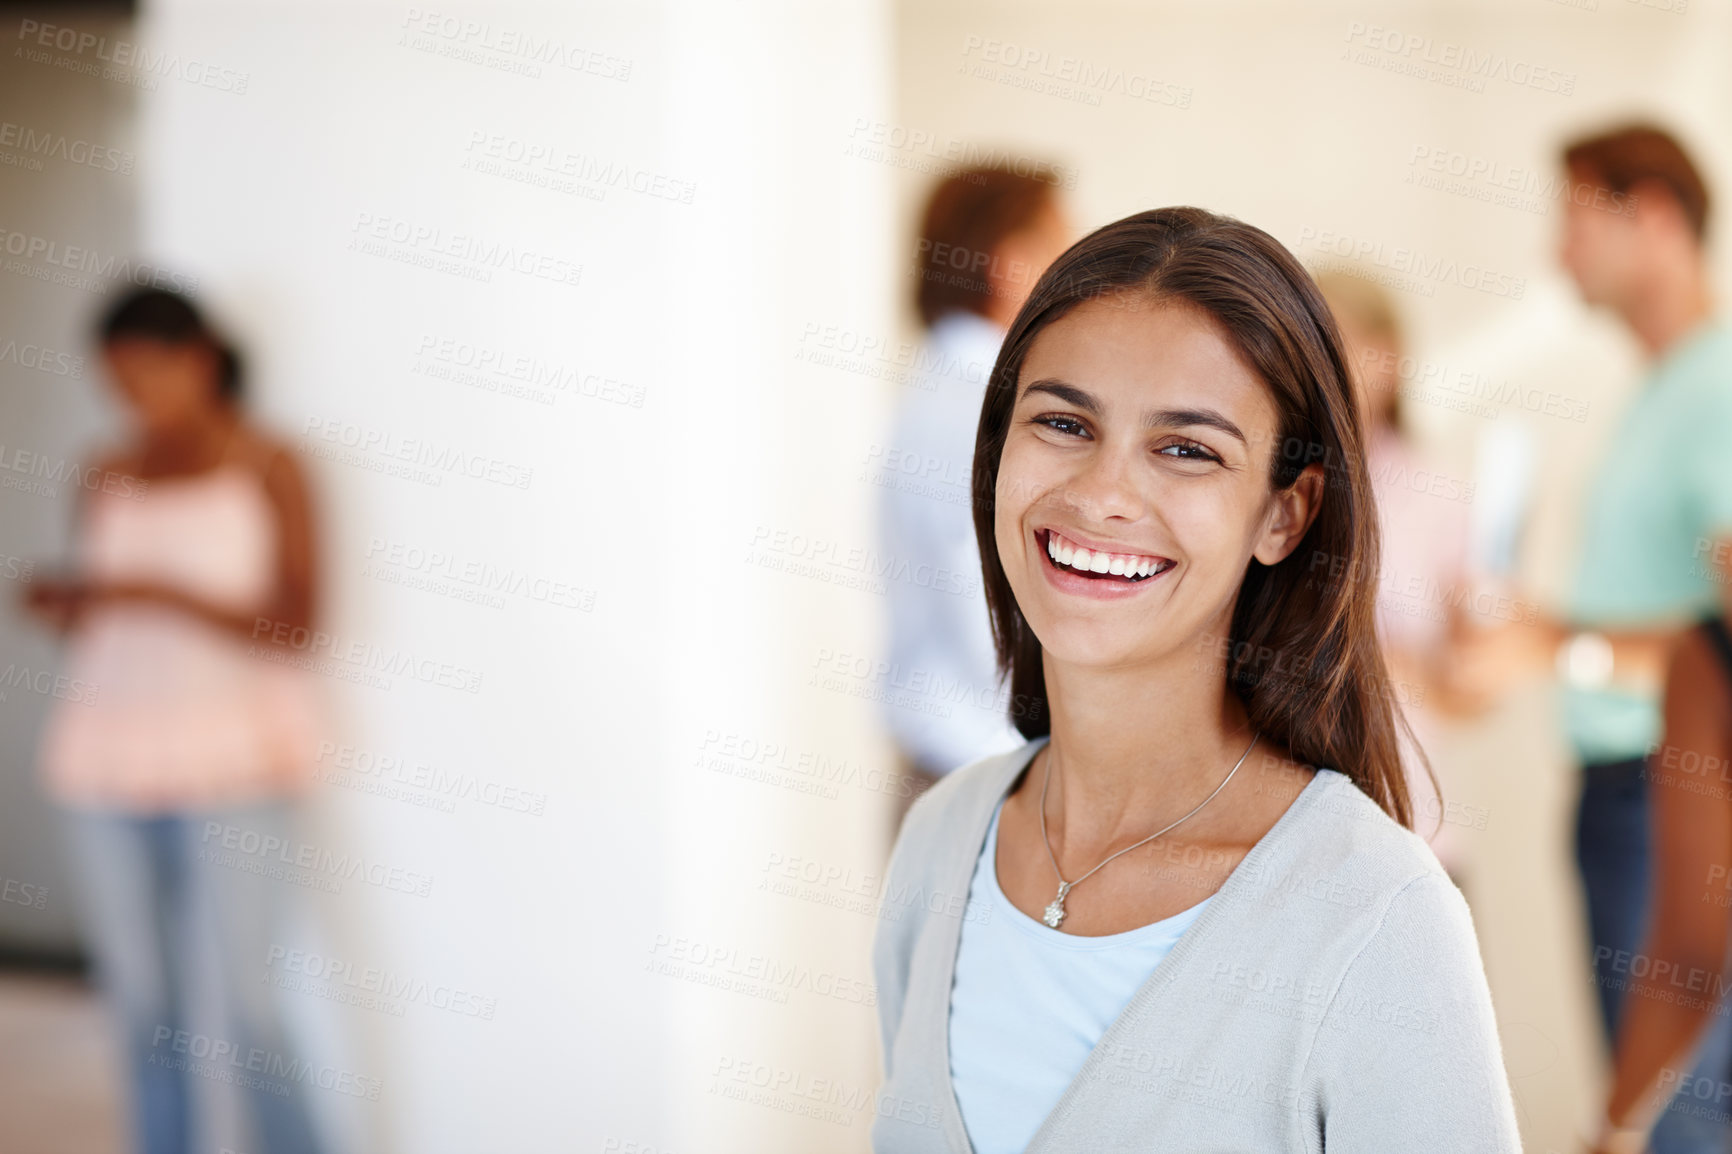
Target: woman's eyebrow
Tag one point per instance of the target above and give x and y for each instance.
(1181, 418)
(1152, 419)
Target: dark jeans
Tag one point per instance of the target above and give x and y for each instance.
(1612, 852)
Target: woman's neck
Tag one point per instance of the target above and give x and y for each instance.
(189, 446)
(1132, 749)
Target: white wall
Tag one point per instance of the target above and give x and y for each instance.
(645, 855)
(1257, 112)
(67, 162)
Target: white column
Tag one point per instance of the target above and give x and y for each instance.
(391, 215)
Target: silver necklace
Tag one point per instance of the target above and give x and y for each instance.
(1055, 909)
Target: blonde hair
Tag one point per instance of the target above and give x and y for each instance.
(1364, 307)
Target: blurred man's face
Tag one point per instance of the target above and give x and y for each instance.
(1601, 250)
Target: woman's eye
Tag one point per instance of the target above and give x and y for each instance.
(1066, 425)
(1188, 451)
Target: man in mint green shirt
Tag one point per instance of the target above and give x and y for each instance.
(1659, 506)
(1656, 539)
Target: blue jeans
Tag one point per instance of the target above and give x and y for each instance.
(1612, 852)
(154, 912)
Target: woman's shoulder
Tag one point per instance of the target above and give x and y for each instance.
(258, 450)
(934, 844)
(1347, 892)
(270, 462)
(1342, 803)
(1342, 848)
(941, 816)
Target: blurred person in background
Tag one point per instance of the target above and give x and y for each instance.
(192, 531)
(985, 238)
(1673, 1002)
(1657, 514)
(1425, 547)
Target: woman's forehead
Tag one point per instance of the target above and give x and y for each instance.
(1122, 349)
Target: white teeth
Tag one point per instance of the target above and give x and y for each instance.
(1116, 564)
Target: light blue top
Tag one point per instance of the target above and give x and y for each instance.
(947, 708)
(1661, 497)
(1029, 1003)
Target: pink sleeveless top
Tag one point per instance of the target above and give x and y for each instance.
(180, 714)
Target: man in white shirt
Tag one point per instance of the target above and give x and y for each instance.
(985, 238)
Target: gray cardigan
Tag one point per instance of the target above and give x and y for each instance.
(1331, 997)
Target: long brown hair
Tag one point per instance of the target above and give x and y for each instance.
(1302, 653)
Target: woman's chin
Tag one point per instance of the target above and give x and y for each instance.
(1093, 645)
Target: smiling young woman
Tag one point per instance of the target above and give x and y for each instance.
(1194, 916)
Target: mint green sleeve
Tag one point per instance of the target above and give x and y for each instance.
(1709, 430)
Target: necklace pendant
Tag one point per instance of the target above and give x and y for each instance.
(1055, 908)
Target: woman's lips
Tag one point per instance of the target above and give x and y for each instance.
(1093, 583)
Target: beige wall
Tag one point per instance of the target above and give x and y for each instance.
(1261, 110)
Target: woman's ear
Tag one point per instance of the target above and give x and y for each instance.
(1291, 511)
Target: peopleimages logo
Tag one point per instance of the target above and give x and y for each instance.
(897, 144)
(384, 446)
(207, 1056)
(477, 41)
(250, 846)
(464, 254)
(32, 472)
(1446, 58)
(300, 641)
(35, 144)
(42, 360)
(339, 979)
(51, 256)
(1412, 262)
(1068, 77)
(150, 63)
(1515, 186)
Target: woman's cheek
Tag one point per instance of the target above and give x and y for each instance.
(1007, 532)
(1011, 496)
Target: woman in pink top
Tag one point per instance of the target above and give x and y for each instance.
(190, 535)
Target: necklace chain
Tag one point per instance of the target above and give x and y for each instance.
(1055, 910)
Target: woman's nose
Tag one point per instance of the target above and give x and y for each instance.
(1106, 486)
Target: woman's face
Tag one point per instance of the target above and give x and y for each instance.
(166, 383)
(1140, 433)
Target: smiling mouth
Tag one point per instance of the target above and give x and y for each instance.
(1129, 568)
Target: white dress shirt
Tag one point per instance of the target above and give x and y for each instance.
(949, 709)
